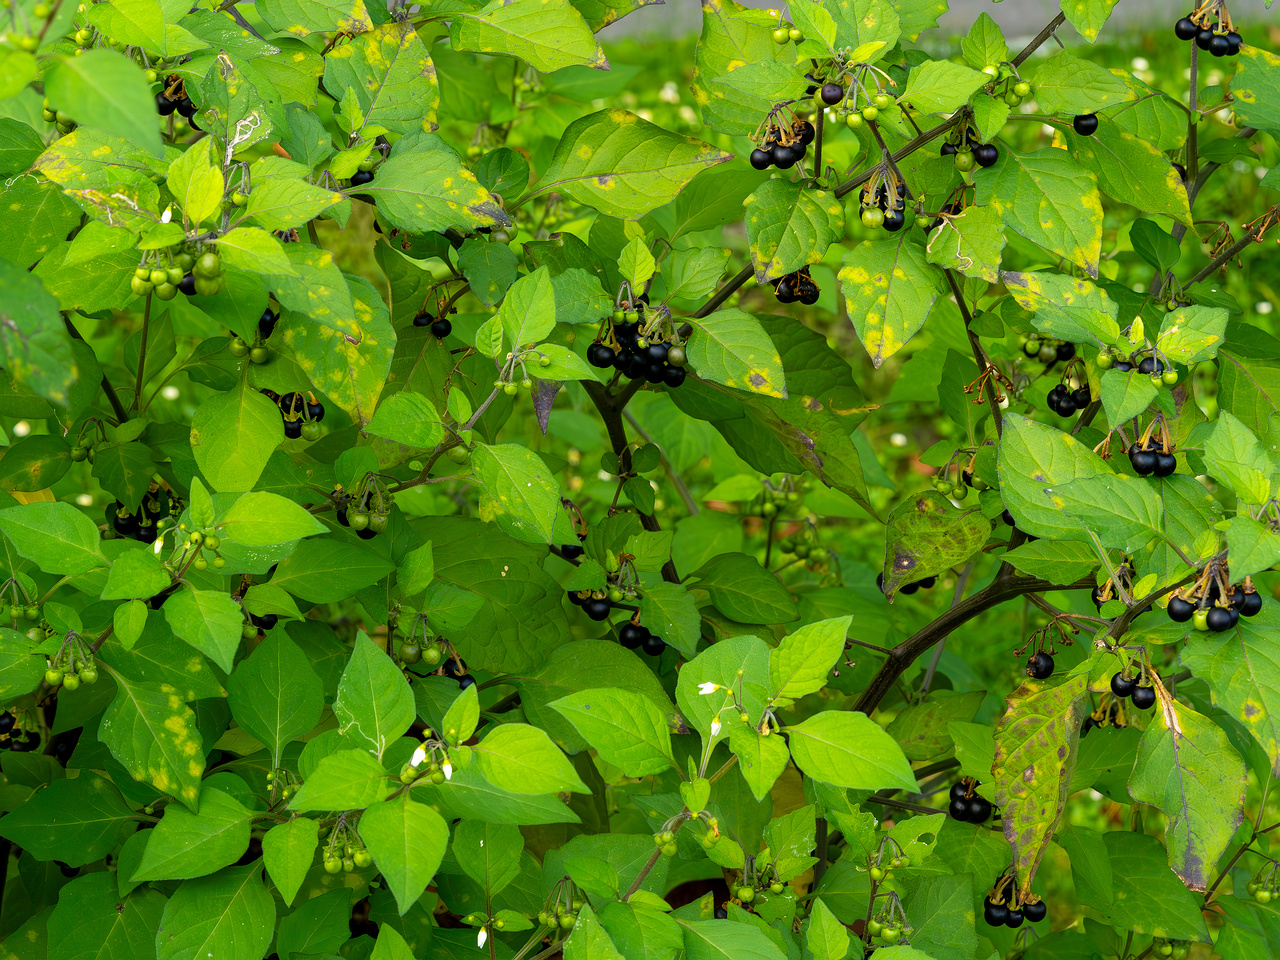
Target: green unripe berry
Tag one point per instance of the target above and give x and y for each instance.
(1022, 88)
(1105, 360)
(876, 874)
(510, 389)
(53, 676)
(71, 682)
(166, 291)
(431, 655)
(200, 563)
(870, 113)
(238, 348)
(32, 613)
(348, 865)
(173, 275)
(853, 121)
(159, 276)
(746, 894)
(670, 849)
(363, 858)
(1170, 376)
(332, 865)
(1200, 619)
(781, 36)
(1012, 99)
(873, 217)
(259, 354)
(964, 161)
(776, 888)
(410, 653)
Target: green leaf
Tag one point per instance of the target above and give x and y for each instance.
(1191, 334)
(77, 821)
(728, 42)
(208, 620)
(125, 469)
(1033, 458)
(761, 759)
(490, 268)
(1065, 83)
(91, 921)
(926, 536)
(984, 44)
(136, 573)
(36, 350)
(849, 750)
(1234, 455)
(519, 493)
(261, 519)
(826, 937)
(744, 591)
(622, 165)
(275, 694)
(185, 845)
(322, 570)
(636, 263)
(1253, 547)
(426, 189)
(344, 780)
(232, 436)
(693, 273)
(288, 850)
(1036, 742)
(1062, 562)
(726, 939)
(407, 840)
(1255, 89)
(626, 728)
(731, 347)
(801, 664)
(940, 86)
(1050, 200)
(489, 853)
(669, 610)
(407, 418)
(392, 75)
(522, 759)
(57, 537)
(589, 940)
(462, 717)
(106, 91)
(970, 243)
(374, 704)
(154, 735)
(196, 184)
(546, 35)
(1132, 170)
(229, 915)
(1154, 246)
(1088, 16)
(1126, 395)
(529, 311)
(255, 250)
(868, 24)
(21, 668)
(1188, 768)
(320, 925)
(889, 288)
(1148, 897)
(789, 227)
(281, 203)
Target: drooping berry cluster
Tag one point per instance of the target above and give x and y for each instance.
(910, 588)
(641, 348)
(141, 523)
(173, 98)
(1217, 37)
(366, 511)
(259, 352)
(168, 273)
(441, 327)
(1107, 590)
(797, 287)
(633, 635)
(1150, 458)
(1159, 369)
(1212, 604)
(883, 206)
(1106, 714)
(1141, 695)
(966, 806)
(1066, 402)
(969, 151)
(302, 415)
(1047, 350)
(1001, 907)
(783, 147)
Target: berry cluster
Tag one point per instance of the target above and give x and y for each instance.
(1107, 590)
(1047, 350)
(14, 737)
(173, 99)
(139, 524)
(1159, 370)
(883, 206)
(302, 415)
(1107, 714)
(1066, 402)
(910, 588)
(1263, 887)
(72, 665)
(1142, 696)
(1211, 608)
(1150, 458)
(966, 806)
(59, 118)
(633, 636)
(783, 147)
(1000, 908)
(345, 852)
(180, 272)
(560, 916)
(798, 286)
(441, 327)
(455, 668)
(640, 350)
(969, 151)
(257, 624)
(784, 33)
(1218, 37)
(854, 117)
(366, 511)
(259, 352)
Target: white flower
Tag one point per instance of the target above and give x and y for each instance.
(481, 937)
(447, 767)
(708, 687)
(418, 756)
(167, 215)
(715, 726)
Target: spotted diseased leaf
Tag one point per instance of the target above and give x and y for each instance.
(546, 34)
(231, 108)
(302, 18)
(519, 493)
(233, 435)
(424, 187)
(1049, 199)
(889, 288)
(1036, 743)
(728, 42)
(1132, 170)
(1065, 83)
(731, 347)
(789, 227)
(1255, 89)
(392, 75)
(350, 360)
(153, 734)
(1192, 333)
(970, 243)
(624, 166)
(1188, 768)
(927, 535)
(1066, 308)
(864, 23)
(1087, 16)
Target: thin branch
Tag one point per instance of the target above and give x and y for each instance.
(979, 357)
(961, 581)
(121, 414)
(644, 872)
(1223, 257)
(689, 503)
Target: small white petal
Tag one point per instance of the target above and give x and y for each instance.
(167, 215)
(715, 726)
(418, 756)
(447, 767)
(708, 687)
(481, 937)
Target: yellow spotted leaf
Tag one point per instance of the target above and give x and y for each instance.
(889, 288)
(790, 227)
(732, 348)
(153, 734)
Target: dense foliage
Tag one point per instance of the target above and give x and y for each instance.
(463, 500)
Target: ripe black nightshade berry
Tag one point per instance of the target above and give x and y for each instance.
(1066, 351)
(654, 645)
(959, 789)
(1235, 40)
(1251, 605)
(805, 132)
(1081, 397)
(986, 154)
(979, 809)
(315, 410)
(1143, 461)
(1219, 46)
(1123, 686)
(293, 430)
(1180, 610)
(1055, 396)
(7, 721)
(596, 609)
(1166, 464)
(1204, 37)
(1151, 365)
(267, 323)
(187, 285)
(674, 376)
(959, 810)
(423, 319)
(1222, 618)
(1144, 698)
(1014, 919)
(831, 93)
(632, 635)
(1184, 29)
(441, 328)
(186, 108)
(1040, 666)
(571, 551)
(949, 149)
(784, 157)
(761, 159)
(994, 913)
(165, 106)
(1086, 124)
(361, 177)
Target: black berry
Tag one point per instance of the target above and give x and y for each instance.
(1180, 610)
(1219, 46)
(423, 319)
(1035, 912)
(1166, 465)
(986, 154)
(654, 645)
(596, 609)
(994, 913)
(1123, 686)
(1251, 605)
(632, 635)
(1143, 461)
(761, 159)
(571, 551)
(441, 328)
(1086, 124)
(832, 93)
(1222, 618)
(1040, 666)
(1184, 29)
(1144, 698)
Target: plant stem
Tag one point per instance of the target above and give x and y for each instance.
(689, 503)
(644, 872)
(112, 397)
(979, 357)
(1222, 258)
(817, 144)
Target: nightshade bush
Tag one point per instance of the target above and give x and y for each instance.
(423, 537)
